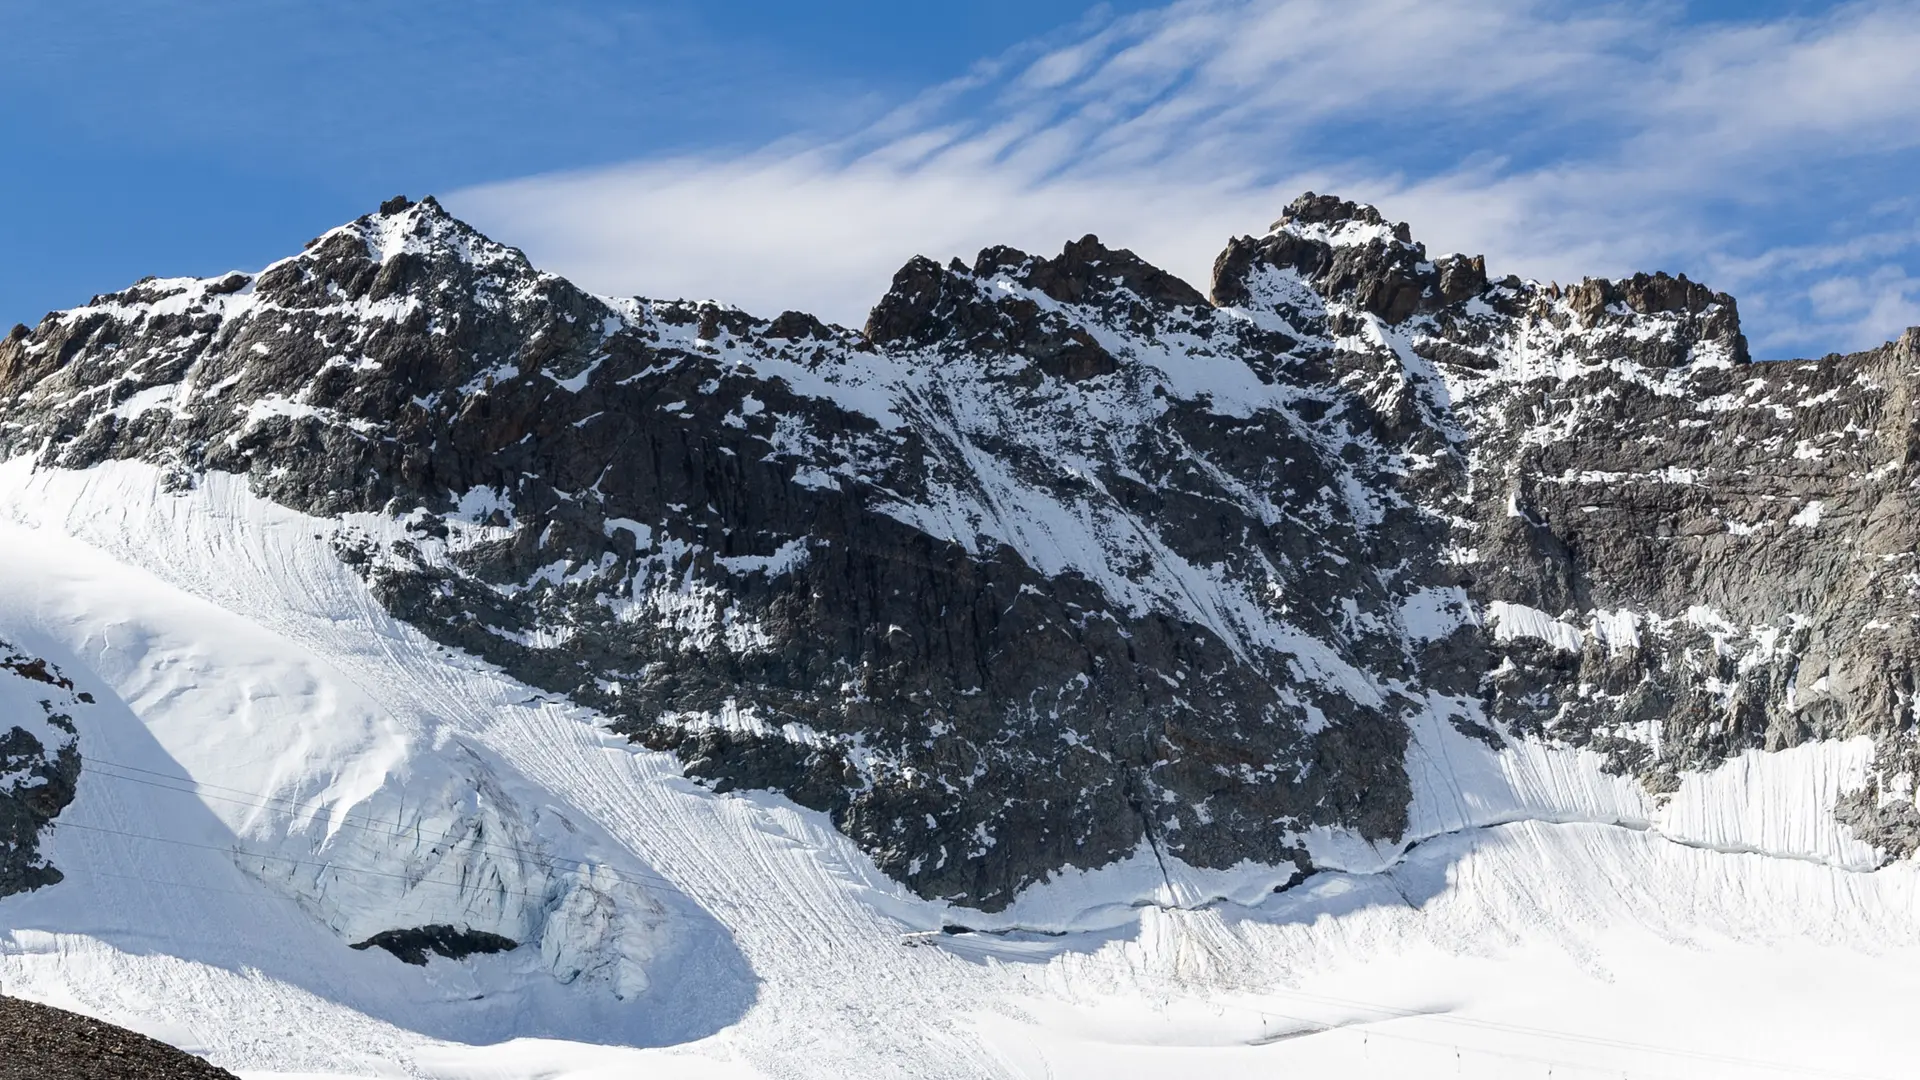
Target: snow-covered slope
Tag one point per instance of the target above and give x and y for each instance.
(226, 757)
(1069, 674)
(772, 945)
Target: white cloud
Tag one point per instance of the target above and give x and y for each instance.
(801, 232)
(1884, 301)
(1560, 139)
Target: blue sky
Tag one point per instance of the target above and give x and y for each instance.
(792, 155)
(197, 135)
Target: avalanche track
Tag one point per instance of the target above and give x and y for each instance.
(265, 732)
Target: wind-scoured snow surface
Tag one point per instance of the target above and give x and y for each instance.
(276, 768)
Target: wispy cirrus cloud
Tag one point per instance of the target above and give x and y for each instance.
(1560, 139)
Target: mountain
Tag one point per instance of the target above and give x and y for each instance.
(1058, 589)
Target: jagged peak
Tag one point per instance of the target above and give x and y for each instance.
(1349, 252)
(1340, 222)
(403, 226)
(1087, 269)
(424, 229)
(402, 245)
(1086, 272)
(1643, 294)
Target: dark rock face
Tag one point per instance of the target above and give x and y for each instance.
(1059, 559)
(39, 764)
(452, 942)
(1743, 537)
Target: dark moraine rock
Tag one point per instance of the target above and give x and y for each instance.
(38, 1042)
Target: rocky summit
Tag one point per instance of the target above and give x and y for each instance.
(1059, 560)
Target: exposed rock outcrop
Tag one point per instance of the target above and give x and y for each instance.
(39, 763)
(452, 942)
